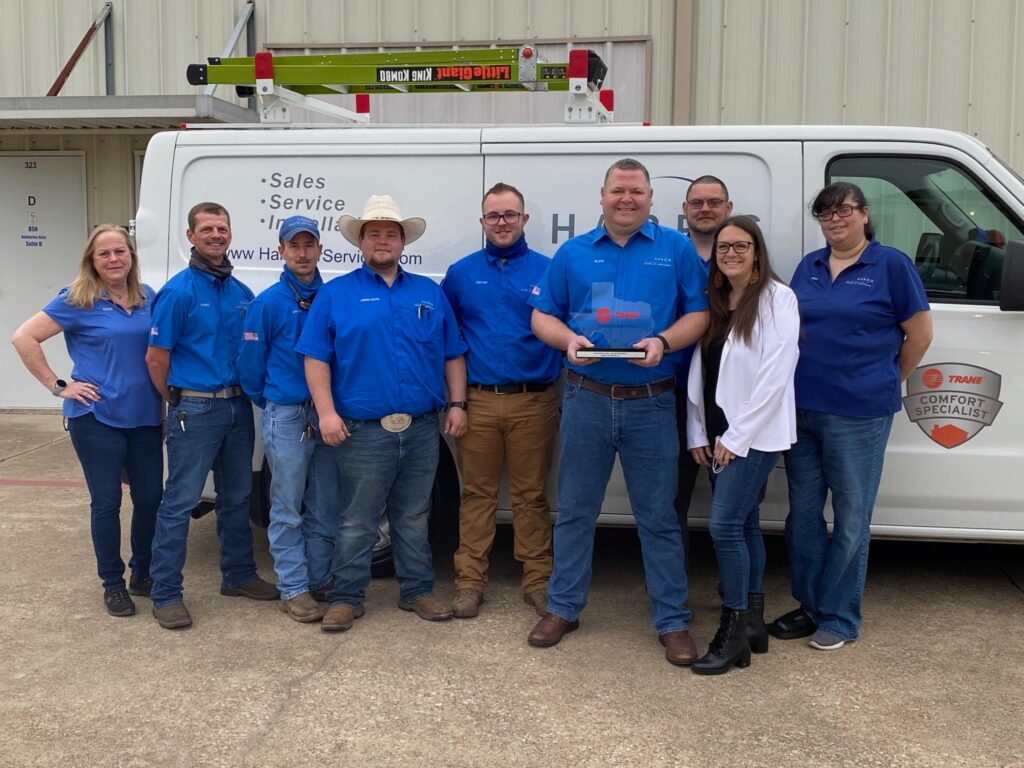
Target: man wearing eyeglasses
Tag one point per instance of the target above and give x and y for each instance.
(706, 206)
(513, 410)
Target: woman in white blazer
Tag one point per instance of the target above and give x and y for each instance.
(741, 414)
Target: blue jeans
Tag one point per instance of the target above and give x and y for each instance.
(643, 433)
(843, 455)
(736, 526)
(393, 470)
(319, 529)
(295, 516)
(103, 451)
(218, 435)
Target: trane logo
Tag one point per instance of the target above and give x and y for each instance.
(933, 378)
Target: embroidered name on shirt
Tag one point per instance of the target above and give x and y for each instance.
(371, 298)
(867, 282)
(481, 282)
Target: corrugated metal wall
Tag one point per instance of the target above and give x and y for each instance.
(157, 39)
(955, 64)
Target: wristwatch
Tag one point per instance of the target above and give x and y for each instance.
(664, 342)
(458, 404)
(58, 387)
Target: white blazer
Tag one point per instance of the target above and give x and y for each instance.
(755, 382)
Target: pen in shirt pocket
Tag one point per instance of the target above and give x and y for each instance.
(422, 311)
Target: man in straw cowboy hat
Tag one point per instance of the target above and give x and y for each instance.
(381, 345)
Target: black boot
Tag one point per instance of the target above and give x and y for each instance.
(757, 632)
(729, 647)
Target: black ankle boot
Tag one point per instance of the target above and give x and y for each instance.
(757, 632)
(729, 647)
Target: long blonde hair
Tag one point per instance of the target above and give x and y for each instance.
(87, 285)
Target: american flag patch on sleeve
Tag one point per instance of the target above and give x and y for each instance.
(154, 331)
(250, 336)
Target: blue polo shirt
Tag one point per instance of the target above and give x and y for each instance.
(108, 348)
(386, 346)
(269, 368)
(198, 317)
(489, 292)
(635, 290)
(850, 335)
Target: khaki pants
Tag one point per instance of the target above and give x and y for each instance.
(517, 431)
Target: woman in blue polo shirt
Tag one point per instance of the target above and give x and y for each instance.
(865, 325)
(113, 412)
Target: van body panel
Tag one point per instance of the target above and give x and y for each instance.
(924, 183)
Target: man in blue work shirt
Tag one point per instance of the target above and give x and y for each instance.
(629, 284)
(194, 343)
(706, 206)
(512, 400)
(381, 344)
(272, 375)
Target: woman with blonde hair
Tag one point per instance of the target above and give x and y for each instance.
(741, 414)
(113, 412)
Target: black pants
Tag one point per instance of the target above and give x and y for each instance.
(688, 471)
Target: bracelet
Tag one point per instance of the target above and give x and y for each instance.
(457, 404)
(664, 342)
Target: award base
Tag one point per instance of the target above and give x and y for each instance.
(611, 353)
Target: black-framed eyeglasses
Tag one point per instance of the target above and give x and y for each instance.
(713, 203)
(740, 247)
(843, 212)
(510, 217)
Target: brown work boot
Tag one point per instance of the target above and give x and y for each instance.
(340, 617)
(466, 604)
(427, 607)
(255, 589)
(538, 600)
(549, 631)
(679, 648)
(303, 608)
(173, 616)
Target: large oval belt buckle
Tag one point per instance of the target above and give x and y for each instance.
(396, 422)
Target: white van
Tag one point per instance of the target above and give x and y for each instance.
(941, 197)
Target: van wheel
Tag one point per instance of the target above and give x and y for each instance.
(444, 519)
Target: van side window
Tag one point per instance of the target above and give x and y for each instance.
(940, 216)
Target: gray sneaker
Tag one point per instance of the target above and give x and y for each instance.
(173, 616)
(466, 604)
(826, 640)
(427, 607)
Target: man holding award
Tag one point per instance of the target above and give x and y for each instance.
(619, 300)
(381, 346)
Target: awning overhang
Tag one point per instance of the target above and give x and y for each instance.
(131, 113)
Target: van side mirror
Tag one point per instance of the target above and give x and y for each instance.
(1011, 289)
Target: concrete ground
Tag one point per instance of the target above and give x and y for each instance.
(936, 679)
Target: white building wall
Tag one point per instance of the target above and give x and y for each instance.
(952, 64)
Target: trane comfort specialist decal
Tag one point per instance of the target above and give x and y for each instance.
(952, 402)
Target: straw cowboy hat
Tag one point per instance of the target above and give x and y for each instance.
(381, 208)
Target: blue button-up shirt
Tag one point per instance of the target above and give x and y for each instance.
(386, 346)
(108, 348)
(198, 317)
(269, 368)
(850, 334)
(639, 289)
(490, 299)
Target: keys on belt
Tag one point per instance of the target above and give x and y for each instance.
(622, 391)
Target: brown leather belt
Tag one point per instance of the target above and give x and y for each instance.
(622, 391)
(514, 388)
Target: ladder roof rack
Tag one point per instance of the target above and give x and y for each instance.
(281, 82)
